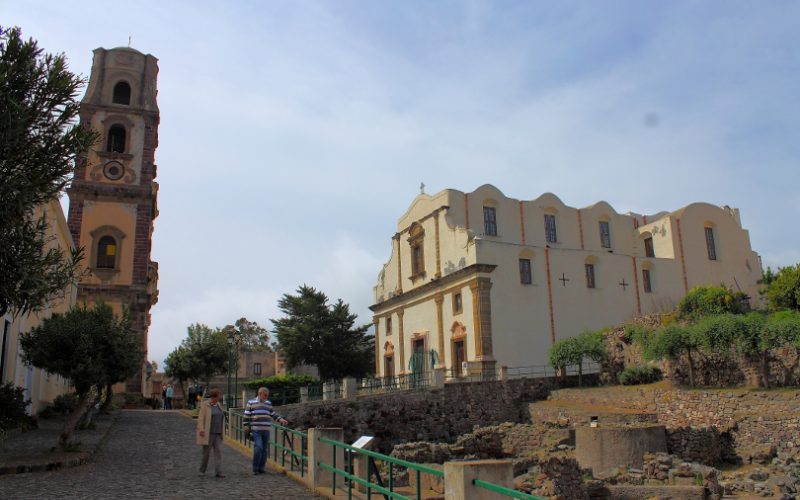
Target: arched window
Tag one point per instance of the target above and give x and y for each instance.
(122, 93)
(106, 253)
(116, 139)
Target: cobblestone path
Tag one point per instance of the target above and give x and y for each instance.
(152, 454)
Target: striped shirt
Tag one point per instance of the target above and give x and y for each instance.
(258, 416)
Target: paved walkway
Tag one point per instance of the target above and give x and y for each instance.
(152, 454)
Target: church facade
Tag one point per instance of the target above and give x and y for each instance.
(487, 281)
(113, 196)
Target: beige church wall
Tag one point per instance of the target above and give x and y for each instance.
(577, 308)
(567, 233)
(506, 212)
(421, 207)
(122, 216)
(449, 319)
(620, 228)
(457, 251)
(419, 322)
(665, 239)
(666, 280)
(732, 248)
(520, 313)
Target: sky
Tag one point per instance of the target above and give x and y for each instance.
(295, 134)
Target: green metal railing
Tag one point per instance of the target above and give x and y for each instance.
(285, 444)
(408, 381)
(388, 490)
(504, 491)
(236, 421)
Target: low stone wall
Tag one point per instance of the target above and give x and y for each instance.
(428, 415)
(708, 426)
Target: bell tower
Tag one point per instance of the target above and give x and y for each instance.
(112, 198)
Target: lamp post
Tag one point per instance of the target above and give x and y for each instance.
(230, 356)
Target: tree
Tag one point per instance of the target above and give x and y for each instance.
(250, 335)
(315, 332)
(122, 354)
(177, 366)
(80, 345)
(672, 342)
(39, 144)
(783, 291)
(207, 352)
(574, 350)
(564, 353)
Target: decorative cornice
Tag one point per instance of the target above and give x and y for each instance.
(433, 285)
(101, 191)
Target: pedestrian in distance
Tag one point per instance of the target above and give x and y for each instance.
(210, 424)
(164, 397)
(169, 394)
(258, 416)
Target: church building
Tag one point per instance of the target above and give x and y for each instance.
(488, 281)
(113, 194)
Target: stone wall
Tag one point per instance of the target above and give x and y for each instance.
(428, 415)
(708, 426)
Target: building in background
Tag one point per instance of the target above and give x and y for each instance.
(483, 280)
(41, 388)
(113, 194)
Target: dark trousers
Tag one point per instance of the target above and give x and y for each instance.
(214, 443)
(260, 449)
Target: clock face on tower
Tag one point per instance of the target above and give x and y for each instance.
(114, 170)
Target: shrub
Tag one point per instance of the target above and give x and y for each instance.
(65, 403)
(12, 408)
(784, 290)
(640, 334)
(710, 300)
(636, 375)
(283, 389)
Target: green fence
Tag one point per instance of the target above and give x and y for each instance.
(292, 446)
(374, 482)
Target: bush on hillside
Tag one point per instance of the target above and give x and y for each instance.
(637, 375)
(711, 300)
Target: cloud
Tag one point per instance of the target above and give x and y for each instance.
(293, 136)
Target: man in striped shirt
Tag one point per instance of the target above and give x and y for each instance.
(258, 415)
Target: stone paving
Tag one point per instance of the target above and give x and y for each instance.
(152, 454)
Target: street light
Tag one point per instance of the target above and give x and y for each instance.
(230, 335)
(232, 351)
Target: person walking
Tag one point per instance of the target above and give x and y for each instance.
(210, 422)
(168, 395)
(258, 415)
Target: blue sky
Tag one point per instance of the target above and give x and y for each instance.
(294, 134)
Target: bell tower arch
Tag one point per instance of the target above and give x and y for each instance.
(113, 196)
